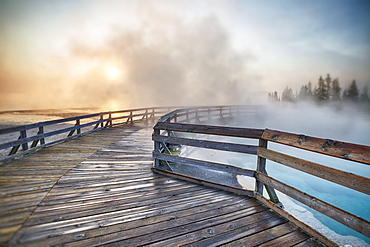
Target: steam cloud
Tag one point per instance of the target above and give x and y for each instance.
(163, 64)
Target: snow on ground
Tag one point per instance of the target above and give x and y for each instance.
(308, 218)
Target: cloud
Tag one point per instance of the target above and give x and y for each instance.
(164, 63)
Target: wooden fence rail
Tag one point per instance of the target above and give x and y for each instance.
(188, 128)
(63, 129)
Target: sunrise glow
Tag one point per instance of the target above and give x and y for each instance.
(114, 73)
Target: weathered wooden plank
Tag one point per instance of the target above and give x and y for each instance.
(68, 232)
(175, 227)
(251, 228)
(288, 239)
(61, 196)
(204, 164)
(211, 130)
(214, 231)
(349, 151)
(95, 236)
(263, 236)
(353, 221)
(231, 147)
(7, 232)
(15, 189)
(68, 211)
(46, 166)
(346, 179)
(14, 217)
(236, 190)
(310, 243)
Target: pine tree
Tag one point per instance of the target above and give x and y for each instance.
(336, 90)
(309, 85)
(304, 93)
(287, 95)
(364, 97)
(352, 92)
(329, 90)
(321, 91)
(274, 96)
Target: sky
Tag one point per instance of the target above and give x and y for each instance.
(137, 53)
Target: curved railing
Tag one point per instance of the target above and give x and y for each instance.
(180, 132)
(24, 139)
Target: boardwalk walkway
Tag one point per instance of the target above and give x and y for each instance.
(99, 189)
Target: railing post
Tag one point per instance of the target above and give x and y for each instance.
(100, 122)
(196, 116)
(41, 131)
(261, 167)
(156, 148)
(146, 117)
(24, 136)
(175, 118)
(78, 130)
(129, 119)
(42, 140)
(109, 121)
(78, 124)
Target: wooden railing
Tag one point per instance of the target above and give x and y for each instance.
(176, 131)
(24, 139)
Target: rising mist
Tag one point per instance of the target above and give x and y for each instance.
(164, 62)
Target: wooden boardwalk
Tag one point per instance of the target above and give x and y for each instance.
(99, 189)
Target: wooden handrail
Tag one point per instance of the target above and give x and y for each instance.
(188, 120)
(73, 127)
(348, 151)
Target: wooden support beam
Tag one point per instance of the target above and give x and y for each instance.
(231, 147)
(211, 130)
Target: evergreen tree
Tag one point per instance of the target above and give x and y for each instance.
(336, 90)
(274, 96)
(287, 95)
(352, 92)
(329, 90)
(321, 91)
(364, 97)
(305, 93)
(309, 85)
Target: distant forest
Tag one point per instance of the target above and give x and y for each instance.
(327, 90)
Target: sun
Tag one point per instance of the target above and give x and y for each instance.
(113, 73)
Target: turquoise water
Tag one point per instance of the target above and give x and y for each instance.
(342, 197)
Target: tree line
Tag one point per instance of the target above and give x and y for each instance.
(326, 90)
